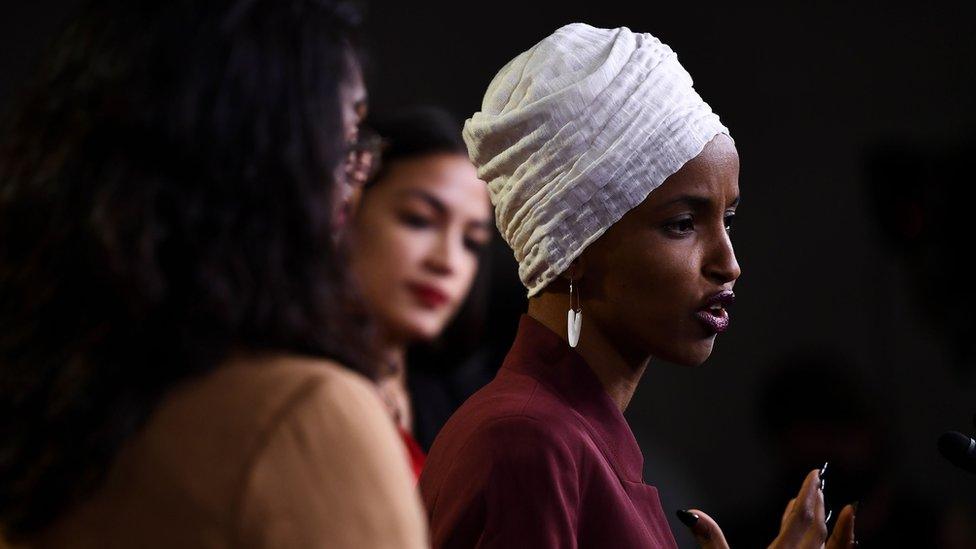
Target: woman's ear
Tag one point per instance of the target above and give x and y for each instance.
(576, 269)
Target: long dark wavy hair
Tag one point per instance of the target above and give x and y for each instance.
(166, 197)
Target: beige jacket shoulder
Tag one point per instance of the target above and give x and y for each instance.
(264, 452)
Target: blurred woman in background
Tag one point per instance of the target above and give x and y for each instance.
(416, 241)
(178, 363)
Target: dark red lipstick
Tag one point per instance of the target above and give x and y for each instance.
(713, 314)
(428, 296)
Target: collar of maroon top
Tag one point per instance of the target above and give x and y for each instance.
(541, 354)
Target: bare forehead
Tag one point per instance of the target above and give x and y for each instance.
(449, 179)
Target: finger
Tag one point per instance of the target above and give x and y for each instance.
(706, 531)
(804, 525)
(843, 535)
(786, 513)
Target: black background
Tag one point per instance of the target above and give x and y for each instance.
(854, 127)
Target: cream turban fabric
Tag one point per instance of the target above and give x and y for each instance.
(575, 132)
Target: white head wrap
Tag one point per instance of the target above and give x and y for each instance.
(575, 132)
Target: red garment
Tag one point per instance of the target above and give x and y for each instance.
(415, 454)
(540, 457)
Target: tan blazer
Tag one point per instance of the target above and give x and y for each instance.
(264, 452)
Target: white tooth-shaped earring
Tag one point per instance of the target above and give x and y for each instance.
(574, 319)
(574, 332)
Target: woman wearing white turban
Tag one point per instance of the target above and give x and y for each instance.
(615, 185)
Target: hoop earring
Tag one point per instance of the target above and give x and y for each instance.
(574, 318)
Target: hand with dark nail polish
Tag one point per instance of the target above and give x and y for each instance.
(688, 518)
(706, 531)
(823, 486)
(804, 525)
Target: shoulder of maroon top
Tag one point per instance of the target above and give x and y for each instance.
(541, 403)
(524, 437)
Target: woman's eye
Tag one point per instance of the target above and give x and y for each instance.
(681, 226)
(474, 246)
(728, 222)
(415, 221)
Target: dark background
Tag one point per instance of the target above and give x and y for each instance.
(853, 333)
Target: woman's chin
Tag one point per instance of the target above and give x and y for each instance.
(421, 328)
(691, 355)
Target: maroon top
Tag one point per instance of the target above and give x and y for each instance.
(540, 457)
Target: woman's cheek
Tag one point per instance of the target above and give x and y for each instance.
(381, 249)
(406, 250)
(465, 281)
(470, 272)
(406, 245)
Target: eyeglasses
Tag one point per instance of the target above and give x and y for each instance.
(363, 158)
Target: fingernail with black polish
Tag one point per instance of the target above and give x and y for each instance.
(687, 517)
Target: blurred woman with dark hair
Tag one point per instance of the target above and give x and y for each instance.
(178, 352)
(417, 237)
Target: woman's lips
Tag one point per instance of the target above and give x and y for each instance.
(428, 296)
(716, 321)
(713, 314)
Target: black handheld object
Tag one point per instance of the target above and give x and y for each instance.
(959, 449)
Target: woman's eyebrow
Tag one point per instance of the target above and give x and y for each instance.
(696, 201)
(430, 199)
(485, 225)
(441, 208)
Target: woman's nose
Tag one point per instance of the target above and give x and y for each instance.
(443, 255)
(721, 264)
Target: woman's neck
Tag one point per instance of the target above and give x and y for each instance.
(618, 373)
(393, 384)
(395, 358)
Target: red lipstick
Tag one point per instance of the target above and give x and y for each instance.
(428, 296)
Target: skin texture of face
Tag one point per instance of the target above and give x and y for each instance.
(645, 278)
(416, 239)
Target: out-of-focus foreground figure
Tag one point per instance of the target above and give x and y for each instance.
(177, 360)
